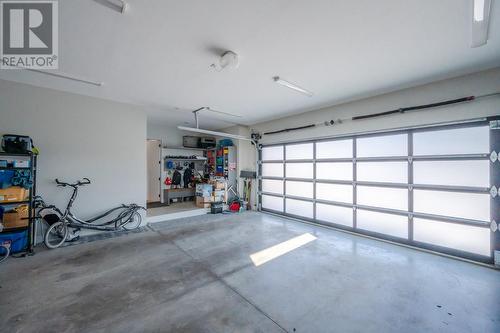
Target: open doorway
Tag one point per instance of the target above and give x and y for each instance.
(171, 173)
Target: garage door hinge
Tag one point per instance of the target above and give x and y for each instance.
(493, 191)
(493, 226)
(497, 258)
(493, 156)
(495, 124)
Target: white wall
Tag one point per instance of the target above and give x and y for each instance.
(80, 136)
(476, 84)
(153, 170)
(170, 135)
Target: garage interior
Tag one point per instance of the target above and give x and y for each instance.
(231, 166)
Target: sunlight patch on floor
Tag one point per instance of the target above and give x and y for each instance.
(273, 252)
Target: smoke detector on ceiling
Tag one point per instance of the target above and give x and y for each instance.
(228, 59)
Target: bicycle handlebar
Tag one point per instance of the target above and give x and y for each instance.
(84, 181)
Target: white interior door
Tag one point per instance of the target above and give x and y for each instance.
(154, 169)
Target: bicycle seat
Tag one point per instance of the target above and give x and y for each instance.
(84, 181)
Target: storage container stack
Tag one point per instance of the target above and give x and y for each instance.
(211, 193)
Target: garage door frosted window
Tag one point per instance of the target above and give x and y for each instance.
(393, 225)
(471, 140)
(462, 205)
(334, 192)
(457, 173)
(272, 170)
(384, 172)
(383, 197)
(382, 146)
(272, 203)
(334, 149)
(334, 171)
(272, 186)
(299, 170)
(455, 236)
(299, 208)
(299, 189)
(299, 152)
(334, 214)
(272, 153)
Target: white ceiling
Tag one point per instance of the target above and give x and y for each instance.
(158, 54)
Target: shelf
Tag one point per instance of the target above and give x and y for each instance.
(15, 168)
(5, 231)
(13, 154)
(186, 159)
(14, 202)
(185, 148)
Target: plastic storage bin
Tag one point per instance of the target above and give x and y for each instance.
(18, 240)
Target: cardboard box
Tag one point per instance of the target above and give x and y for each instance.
(13, 193)
(203, 202)
(16, 218)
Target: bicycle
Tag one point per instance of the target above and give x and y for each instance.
(4, 250)
(60, 223)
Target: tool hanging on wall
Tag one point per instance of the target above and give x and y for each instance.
(385, 113)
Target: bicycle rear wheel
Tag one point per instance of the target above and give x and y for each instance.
(55, 235)
(4, 252)
(133, 222)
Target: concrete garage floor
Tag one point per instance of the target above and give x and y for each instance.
(195, 275)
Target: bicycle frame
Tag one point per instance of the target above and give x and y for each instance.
(72, 221)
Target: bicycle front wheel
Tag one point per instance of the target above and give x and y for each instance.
(133, 222)
(56, 235)
(4, 252)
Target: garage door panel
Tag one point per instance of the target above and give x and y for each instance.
(272, 203)
(299, 151)
(299, 208)
(461, 237)
(334, 171)
(388, 224)
(469, 140)
(474, 206)
(334, 214)
(383, 197)
(384, 172)
(452, 173)
(272, 186)
(299, 170)
(272, 170)
(334, 149)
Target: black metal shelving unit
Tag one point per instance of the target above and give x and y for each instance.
(29, 201)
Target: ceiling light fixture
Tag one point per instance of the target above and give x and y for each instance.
(480, 22)
(478, 10)
(64, 76)
(118, 5)
(292, 86)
